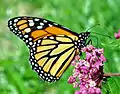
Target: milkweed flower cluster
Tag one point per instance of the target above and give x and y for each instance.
(88, 72)
(117, 35)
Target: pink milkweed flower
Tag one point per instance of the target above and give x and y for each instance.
(77, 92)
(88, 73)
(73, 63)
(117, 35)
(71, 80)
(102, 58)
(77, 57)
(75, 84)
(76, 73)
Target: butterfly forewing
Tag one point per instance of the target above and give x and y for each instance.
(37, 28)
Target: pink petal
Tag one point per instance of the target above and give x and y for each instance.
(119, 33)
(77, 57)
(75, 84)
(103, 59)
(77, 92)
(88, 56)
(91, 91)
(98, 91)
(71, 80)
(73, 63)
(116, 35)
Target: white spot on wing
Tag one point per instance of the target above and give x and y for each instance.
(26, 41)
(18, 18)
(48, 74)
(16, 28)
(30, 39)
(55, 23)
(32, 63)
(20, 35)
(51, 37)
(81, 39)
(39, 27)
(51, 77)
(27, 30)
(31, 21)
(39, 68)
(36, 19)
(26, 36)
(11, 27)
(75, 46)
(38, 71)
(33, 45)
(39, 41)
(41, 71)
(15, 20)
(50, 25)
(14, 24)
(31, 24)
(41, 23)
(36, 65)
(78, 40)
(80, 35)
(43, 77)
(40, 74)
(34, 49)
(44, 21)
(45, 74)
(10, 22)
(48, 80)
(31, 54)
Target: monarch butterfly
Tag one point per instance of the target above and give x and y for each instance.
(52, 46)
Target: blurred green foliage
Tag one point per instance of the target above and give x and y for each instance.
(16, 75)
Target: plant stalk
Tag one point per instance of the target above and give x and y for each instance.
(111, 74)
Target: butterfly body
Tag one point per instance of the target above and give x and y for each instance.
(52, 46)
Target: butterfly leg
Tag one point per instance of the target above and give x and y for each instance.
(89, 42)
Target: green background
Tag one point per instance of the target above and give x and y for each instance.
(16, 75)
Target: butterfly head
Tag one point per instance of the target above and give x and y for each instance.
(82, 38)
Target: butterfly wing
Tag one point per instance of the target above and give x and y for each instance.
(36, 28)
(51, 56)
(51, 45)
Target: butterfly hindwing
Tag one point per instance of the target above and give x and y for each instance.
(51, 59)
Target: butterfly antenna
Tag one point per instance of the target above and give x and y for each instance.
(92, 27)
(102, 35)
(98, 33)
